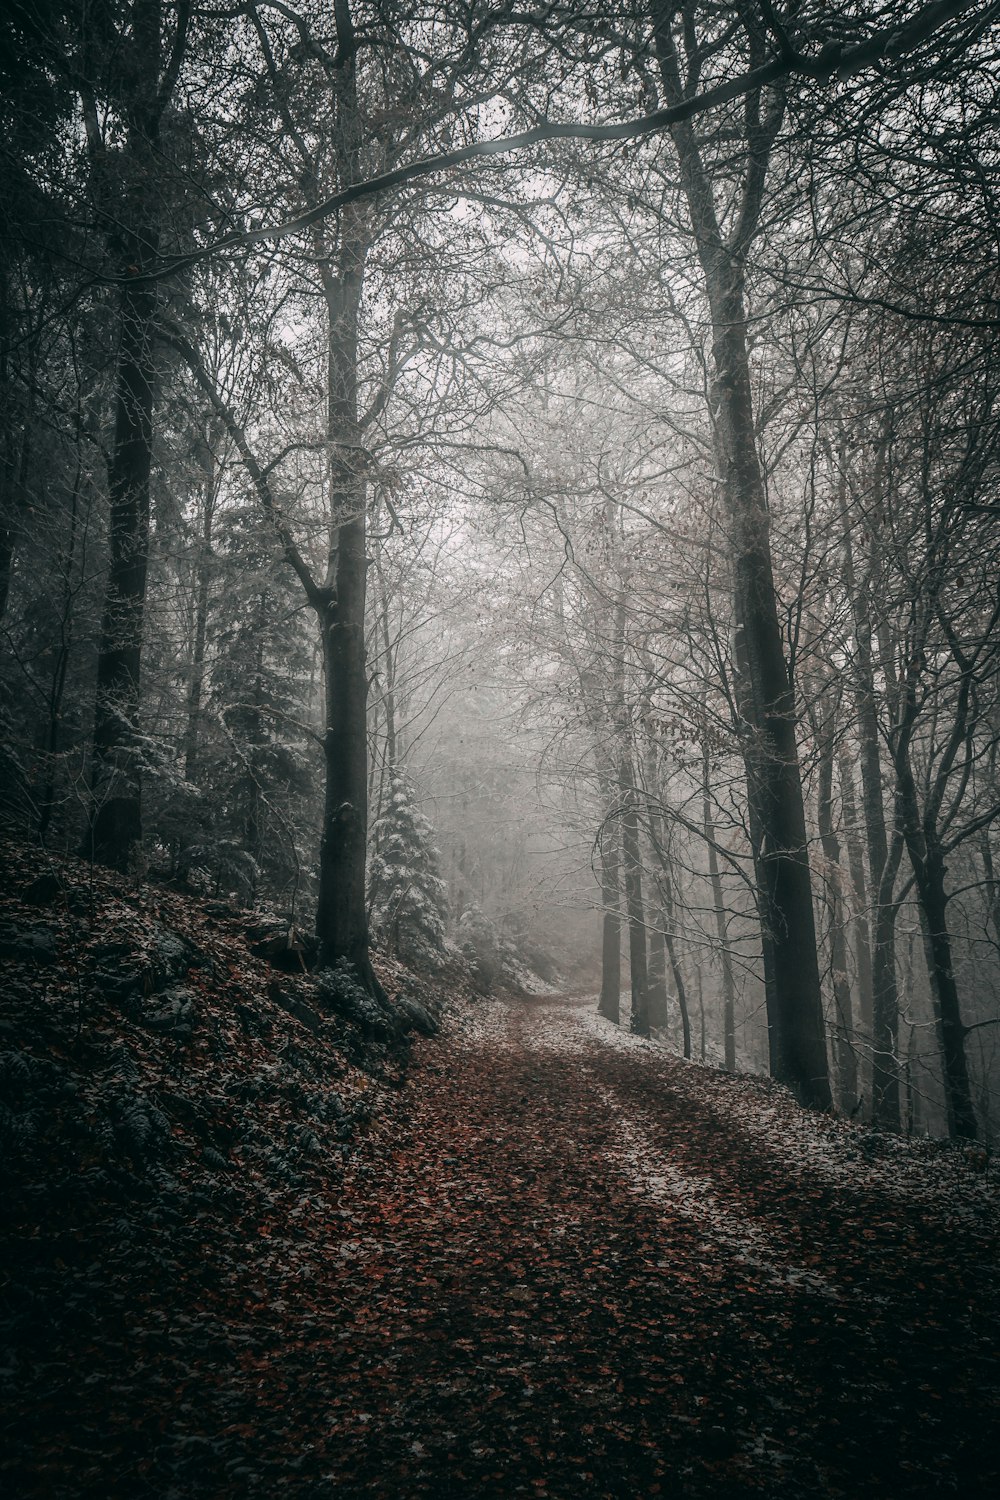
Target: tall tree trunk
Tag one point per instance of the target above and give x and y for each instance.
(859, 917)
(257, 735)
(632, 870)
(389, 696)
(657, 974)
(14, 471)
(203, 579)
(929, 869)
(115, 783)
(657, 970)
(115, 829)
(715, 880)
(60, 668)
(798, 1044)
(609, 1002)
(341, 910)
(844, 1038)
(677, 973)
(341, 916)
(883, 856)
(883, 861)
(774, 783)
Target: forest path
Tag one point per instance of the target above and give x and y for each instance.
(575, 1265)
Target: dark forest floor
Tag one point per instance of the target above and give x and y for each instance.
(559, 1262)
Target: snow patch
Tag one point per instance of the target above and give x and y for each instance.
(654, 1176)
(832, 1150)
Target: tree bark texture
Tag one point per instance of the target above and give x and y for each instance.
(929, 870)
(341, 909)
(131, 204)
(844, 1034)
(883, 860)
(797, 1039)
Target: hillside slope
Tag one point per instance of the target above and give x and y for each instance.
(175, 1119)
(560, 1261)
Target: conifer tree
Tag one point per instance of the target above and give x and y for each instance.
(406, 896)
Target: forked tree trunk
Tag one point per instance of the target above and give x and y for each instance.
(669, 925)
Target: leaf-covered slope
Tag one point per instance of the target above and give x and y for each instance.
(561, 1262)
(174, 1119)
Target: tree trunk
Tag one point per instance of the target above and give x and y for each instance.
(885, 1023)
(992, 885)
(797, 1040)
(774, 783)
(115, 783)
(844, 1041)
(883, 858)
(657, 971)
(609, 1002)
(859, 918)
(256, 735)
(131, 206)
(929, 869)
(14, 472)
(389, 696)
(203, 578)
(677, 973)
(631, 860)
(341, 909)
(341, 915)
(60, 668)
(715, 880)
(883, 861)
(657, 975)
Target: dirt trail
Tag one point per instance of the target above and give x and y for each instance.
(578, 1274)
(562, 1263)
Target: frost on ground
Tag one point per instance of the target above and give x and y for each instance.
(964, 1180)
(693, 1197)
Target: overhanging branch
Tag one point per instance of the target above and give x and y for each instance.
(834, 60)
